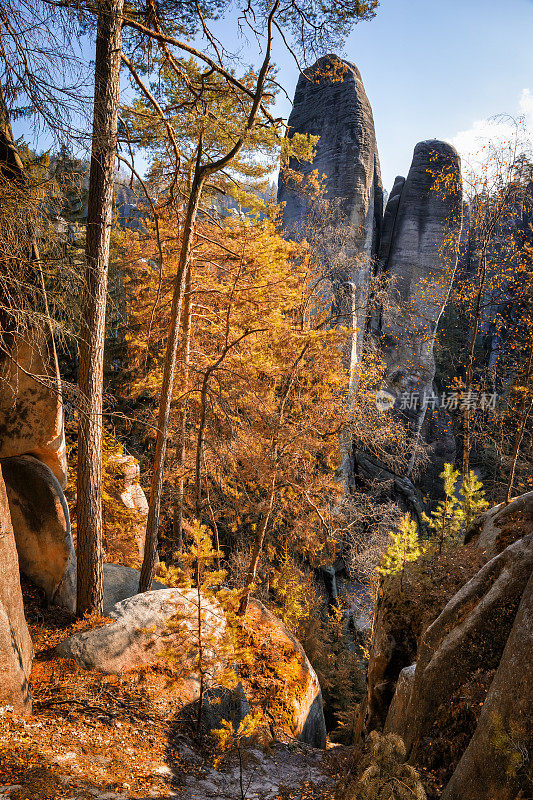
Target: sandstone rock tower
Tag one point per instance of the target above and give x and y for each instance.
(418, 251)
(414, 243)
(330, 102)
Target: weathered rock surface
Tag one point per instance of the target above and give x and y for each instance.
(497, 760)
(16, 650)
(472, 630)
(308, 723)
(120, 583)
(139, 633)
(129, 492)
(396, 717)
(41, 524)
(330, 102)
(31, 409)
(405, 608)
(500, 526)
(422, 225)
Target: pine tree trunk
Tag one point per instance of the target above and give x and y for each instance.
(469, 377)
(152, 523)
(177, 523)
(258, 546)
(90, 382)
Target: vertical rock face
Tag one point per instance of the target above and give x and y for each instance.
(500, 749)
(31, 408)
(330, 102)
(16, 649)
(471, 630)
(41, 523)
(422, 225)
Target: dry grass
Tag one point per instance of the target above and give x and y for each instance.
(89, 732)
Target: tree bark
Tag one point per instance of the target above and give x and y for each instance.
(90, 382)
(469, 377)
(177, 523)
(152, 523)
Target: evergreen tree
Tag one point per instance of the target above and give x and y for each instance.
(447, 520)
(473, 495)
(403, 548)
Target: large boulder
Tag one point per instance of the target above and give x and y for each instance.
(128, 491)
(16, 651)
(330, 102)
(301, 697)
(471, 632)
(501, 525)
(41, 523)
(31, 407)
(497, 761)
(120, 583)
(418, 252)
(144, 631)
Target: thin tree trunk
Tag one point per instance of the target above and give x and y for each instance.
(258, 546)
(200, 647)
(469, 377)
(152, 523)
(90, 382)
(201, 174)
(177, 523)
(525, 408)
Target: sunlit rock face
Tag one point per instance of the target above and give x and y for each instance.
(330, 102)
(31, 407)
(418, 252)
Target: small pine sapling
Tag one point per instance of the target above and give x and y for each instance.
(404, 547)
(231, 739)
(447, 520)
(473, 495)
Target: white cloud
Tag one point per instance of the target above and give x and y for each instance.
(473, 143)
(526, 106)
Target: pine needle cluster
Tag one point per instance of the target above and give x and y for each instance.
(384, 773)
(458, 509)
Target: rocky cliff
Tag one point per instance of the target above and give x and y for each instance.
(330, 102)
(464, 704)
(418, 253)
(414, 243)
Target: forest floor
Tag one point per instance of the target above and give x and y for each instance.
(120, 737)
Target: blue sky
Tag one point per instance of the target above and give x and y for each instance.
(430, 69)
(439, 70)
